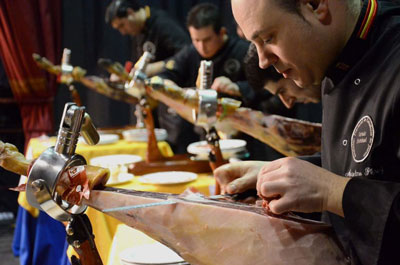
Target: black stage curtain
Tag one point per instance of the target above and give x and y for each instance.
(89, 38)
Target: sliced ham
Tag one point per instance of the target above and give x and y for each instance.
(208, 232)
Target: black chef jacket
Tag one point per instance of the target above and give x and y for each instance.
(162, 36)
(361, 134)
(183, 70)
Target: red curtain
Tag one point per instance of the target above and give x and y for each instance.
(28, 27)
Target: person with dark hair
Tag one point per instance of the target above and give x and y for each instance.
(269, 79)
(351, 48)
(210, 41)
(151, 30)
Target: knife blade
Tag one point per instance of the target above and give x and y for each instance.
(138, 206)
(236, 196)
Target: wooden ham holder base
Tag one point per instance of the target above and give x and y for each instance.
(156, 162)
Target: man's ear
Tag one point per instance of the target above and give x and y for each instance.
(222, 31)
(320, 8)
(129, 11)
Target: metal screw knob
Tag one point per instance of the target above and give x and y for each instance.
(76, 244)
(37, 185)
(69, 230)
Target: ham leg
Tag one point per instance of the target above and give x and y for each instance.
(74, 184)
(290, 137)
(207, 232)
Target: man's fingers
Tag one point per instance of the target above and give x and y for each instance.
(271, 189)
(280, 205)
(273, 165)
(248, 181)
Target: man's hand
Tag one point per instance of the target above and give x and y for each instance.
(291, 184)
(114, 78)
(223, 84)
(238, 177)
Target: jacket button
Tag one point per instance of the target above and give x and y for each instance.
(344, 142)
(357, 81)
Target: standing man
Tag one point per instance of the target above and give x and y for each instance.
(151, 30)
(335, 43)
(210, 41)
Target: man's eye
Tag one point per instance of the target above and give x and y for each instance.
(268, 40)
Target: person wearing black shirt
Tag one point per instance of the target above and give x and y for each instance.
(151, 30)
(351, 48)
(209, 42)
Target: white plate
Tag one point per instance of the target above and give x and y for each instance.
(120, 179)
(113, 160)
(140, 135)
(155, 253)
(228, 147)
(104, 139)
(168, 177)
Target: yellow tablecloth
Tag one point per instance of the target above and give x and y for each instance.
(125, 238)
(37, 145)
(104, 226)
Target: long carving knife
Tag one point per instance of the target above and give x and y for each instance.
(138, 206)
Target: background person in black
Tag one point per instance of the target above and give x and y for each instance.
(151, 30)
(274, 94)
(334, 43)
(210, 41)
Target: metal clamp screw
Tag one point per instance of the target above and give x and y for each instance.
(76, 244)
(69, 230)
(37, 185)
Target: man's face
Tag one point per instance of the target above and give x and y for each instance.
(129, 25)
(206, 41)
(290, 93)
(298, 47)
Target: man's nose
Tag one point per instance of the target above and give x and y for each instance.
(266, 58)
(288, 101)
(203, 47)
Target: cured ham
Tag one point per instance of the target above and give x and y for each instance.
(74, 184)
(12, 160)
(288, 136)
(210, 232)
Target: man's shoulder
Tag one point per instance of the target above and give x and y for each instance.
(159, 17)
(238, 47)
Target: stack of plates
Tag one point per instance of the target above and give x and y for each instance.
(118, 165)
(229, 148)
(104, 139)
(150, 254)
(140, 135)
(168, 177)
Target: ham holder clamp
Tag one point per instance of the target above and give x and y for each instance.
(45, 173)
(206, 116)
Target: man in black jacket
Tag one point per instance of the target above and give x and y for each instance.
(352, 48)
(210, 41)
(151, 30)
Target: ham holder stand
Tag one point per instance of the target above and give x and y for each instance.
(46, 171)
